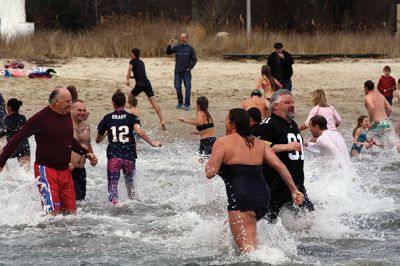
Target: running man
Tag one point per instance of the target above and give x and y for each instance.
(136, 66)
(378, 111)
(121, 150)
(82, 135)
(282, 132)
(52, 127)
(328, 142)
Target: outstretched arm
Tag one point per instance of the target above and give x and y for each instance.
(145, 137)
(272, 160)
(128, 75)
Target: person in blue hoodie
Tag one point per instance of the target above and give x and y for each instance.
(185, 60)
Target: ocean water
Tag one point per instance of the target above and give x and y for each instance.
(180, 216)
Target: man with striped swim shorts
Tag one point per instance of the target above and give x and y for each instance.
(52, 127)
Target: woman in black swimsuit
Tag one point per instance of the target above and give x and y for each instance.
(204, 125)
(238, 158)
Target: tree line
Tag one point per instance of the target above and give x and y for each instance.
(292, 15)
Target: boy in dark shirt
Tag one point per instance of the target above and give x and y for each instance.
(136, 66)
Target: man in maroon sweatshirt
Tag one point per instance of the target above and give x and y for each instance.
(52, 127)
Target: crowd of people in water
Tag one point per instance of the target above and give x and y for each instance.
(260, 159)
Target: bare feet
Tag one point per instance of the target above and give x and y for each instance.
(163, 126)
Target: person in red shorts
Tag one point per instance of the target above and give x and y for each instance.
(52, 127)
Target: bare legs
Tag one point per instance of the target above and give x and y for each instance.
(158, 111)
(244, 230)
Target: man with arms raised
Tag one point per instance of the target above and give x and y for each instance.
(52, 127)
(378, 111)
(284, 137)
(257, 101)
(82, 135)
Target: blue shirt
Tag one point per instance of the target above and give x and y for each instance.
(119, 126)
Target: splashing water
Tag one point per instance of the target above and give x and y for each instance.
(180, 216)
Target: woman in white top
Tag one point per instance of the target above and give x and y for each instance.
(321, 107)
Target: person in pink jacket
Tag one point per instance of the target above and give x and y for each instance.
(321, 107)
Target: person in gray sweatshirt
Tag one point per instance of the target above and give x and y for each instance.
(185, 60)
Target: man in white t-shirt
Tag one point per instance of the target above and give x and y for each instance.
(328, 142)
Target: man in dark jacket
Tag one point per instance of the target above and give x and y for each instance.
(281, 63)
(185, 60)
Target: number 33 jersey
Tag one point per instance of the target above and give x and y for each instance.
(276, 130)
(119, 127)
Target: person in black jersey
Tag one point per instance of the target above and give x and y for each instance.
(121, 150)
(283, 135)
(204, 124)
(136, 66)
(238, 158)
(12, 123)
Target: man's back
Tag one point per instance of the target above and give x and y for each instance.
(376, 105)
(257, 102)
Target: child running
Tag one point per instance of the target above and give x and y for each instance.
(121, 150)
(360, 136)
(12, 123)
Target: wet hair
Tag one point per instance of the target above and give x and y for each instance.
(276, 97)
(73, 91)
(369, 85)
(387, 68)
(119, 98)
(132, 100)
(202, 102)
(136, 52)
(319, 98)
(319, 121)
(241, 119)
(255, 113)
(256, 93)
(360, 119)
(267, 75)
(14, 104)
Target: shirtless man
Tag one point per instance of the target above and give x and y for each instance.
(82, 135)
(378, 111)
(256, 100)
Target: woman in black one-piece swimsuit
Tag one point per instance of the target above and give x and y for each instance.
(238, 158)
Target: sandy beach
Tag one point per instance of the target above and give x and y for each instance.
(225, 83)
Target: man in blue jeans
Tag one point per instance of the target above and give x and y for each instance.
(185, 60)
(281, 63)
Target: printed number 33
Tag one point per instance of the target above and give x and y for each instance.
(295, 155)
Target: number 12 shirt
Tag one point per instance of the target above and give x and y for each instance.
(119, 126)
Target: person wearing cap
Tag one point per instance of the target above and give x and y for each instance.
(280, 62)
(256, 100)
(137, 68)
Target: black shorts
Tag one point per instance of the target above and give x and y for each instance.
(206, 145)
(79, 178)
(145, 88)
